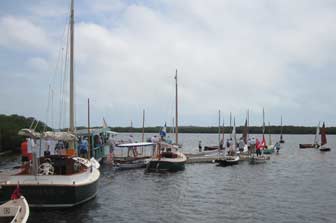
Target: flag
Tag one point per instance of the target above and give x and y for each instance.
(104, 124)
(163, 131)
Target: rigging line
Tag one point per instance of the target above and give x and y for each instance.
(47, 115)
(63, 83)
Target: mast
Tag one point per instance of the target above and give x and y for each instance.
(230, 125)
(89, 134)
(270, 138)
(219, 125)
(176, 110)
(72, 123)
(143, 125)
(263, 128)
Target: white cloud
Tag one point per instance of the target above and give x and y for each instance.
(231, 55)
(20, 33)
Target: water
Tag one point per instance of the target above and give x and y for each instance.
(295, 186)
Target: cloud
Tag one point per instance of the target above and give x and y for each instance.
(20, 33)
(230, 55)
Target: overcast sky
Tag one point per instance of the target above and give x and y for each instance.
(230, 55)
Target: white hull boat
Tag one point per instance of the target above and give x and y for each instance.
(14, 211)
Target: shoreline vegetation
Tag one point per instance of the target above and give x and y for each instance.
(11, 124)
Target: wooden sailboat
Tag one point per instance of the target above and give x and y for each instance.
(315, 144)
(281, 137)
(167, 157)
(324, 148)
(55, 180)
(232, 157)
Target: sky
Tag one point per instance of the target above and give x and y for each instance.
(231, 55)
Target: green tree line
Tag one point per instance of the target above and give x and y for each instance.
(11, 124)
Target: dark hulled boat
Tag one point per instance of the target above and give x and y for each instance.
(61, 181)
(167, 159)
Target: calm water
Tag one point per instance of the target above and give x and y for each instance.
(294, 186)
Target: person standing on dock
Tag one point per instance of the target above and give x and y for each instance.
(200, 146)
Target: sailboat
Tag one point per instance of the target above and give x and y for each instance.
(324, 139)
(167, 157)
(315, 144)
(270, 147)
(55, 180)
(232, 157)
(281, 137)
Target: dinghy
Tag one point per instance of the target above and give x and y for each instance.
(15, 210)
(315, 144)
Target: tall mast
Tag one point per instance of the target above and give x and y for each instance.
(72, 123)
(143, 125)
(263, 129)
(219, 125)
(176, 110)
(89, 134)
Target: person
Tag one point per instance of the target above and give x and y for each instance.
(131, 139)
(59, 147)
(258, 147)
(47, 148)
(24, 151)
(155, 139)
(200, 146)
(277, 146)
(221, 144)
(111, 144)
(241, 144)
(228, 143)
(84, 145)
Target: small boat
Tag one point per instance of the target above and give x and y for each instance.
(324, 139)
(281, 137)
(228, 161)
(258, 159)
(211, 148)
(315, 144)
(308, 146)
(166, 159)
(232, 158)
(133, 160)
(15, 210)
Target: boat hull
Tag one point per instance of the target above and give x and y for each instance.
(57, 196)
(161, 165)
(228, 162)
(325, 149)
(308, 146)
(268, 151)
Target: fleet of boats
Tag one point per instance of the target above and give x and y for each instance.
(66, 179)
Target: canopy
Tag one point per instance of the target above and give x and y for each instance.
(64, 136)
(29, 133)
(136, 144)
(84, 132)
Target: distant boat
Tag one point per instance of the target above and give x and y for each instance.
(315, 144)
(232, 158)
(281, 137)
(324, 139)
(15, 210)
